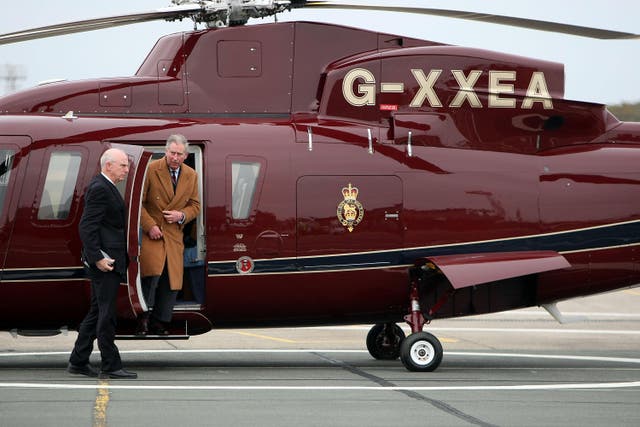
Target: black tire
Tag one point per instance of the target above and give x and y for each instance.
(383, 346)
(421, 352)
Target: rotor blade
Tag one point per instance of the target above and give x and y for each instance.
(175, 12)
(534, 24)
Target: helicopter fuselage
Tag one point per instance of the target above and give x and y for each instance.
(331, 161)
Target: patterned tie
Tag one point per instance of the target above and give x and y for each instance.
(174, 178)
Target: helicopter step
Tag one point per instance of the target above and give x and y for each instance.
(176, 331)
(150, 337)
(184, 325)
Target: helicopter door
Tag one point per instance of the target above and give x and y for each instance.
(13, 152)
(347, 215)
(130, 300)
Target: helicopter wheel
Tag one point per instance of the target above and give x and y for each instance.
(384, 340)
(421, 352)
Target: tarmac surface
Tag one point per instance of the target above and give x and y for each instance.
(519, 368)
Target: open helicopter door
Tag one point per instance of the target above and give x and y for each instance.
(187, 318)
(130, 300)
(13, 154)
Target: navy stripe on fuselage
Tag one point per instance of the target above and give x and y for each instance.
(42, 274)
(593, 238)
(600, 237)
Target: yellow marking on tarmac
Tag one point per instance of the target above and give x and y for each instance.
(100, 406)
(449, 340)
(632, 291)
(266, 337)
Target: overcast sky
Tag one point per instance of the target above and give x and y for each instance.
(595, 70)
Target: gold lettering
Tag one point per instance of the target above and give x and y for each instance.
(466, 90)
(359, 89)
(366, 91)
(496, 87)
(426, 88)
(538, 92)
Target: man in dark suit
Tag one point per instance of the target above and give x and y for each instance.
(104, 239)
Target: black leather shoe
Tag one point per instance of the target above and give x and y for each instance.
(143, 326)
(120, 374)
(86, 370)
(157, 328)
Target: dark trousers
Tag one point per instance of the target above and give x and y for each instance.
(196, 279)
(158, 294)
(100, 323)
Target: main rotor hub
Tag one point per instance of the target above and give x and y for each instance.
(216, 13)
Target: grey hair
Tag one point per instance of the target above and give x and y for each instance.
(109, 156)
(178, 139)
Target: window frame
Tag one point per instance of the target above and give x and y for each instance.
(76, 193)
(259, 181)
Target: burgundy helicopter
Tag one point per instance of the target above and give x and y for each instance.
(346, 176)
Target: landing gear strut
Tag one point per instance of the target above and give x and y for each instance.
(420, 351)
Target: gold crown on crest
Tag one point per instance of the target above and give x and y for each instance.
(350, 211)
(350, 193)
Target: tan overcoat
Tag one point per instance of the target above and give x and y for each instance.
(158, 196)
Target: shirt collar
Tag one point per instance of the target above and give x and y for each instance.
(108, 179)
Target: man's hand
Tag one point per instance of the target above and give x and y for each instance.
(173, 216)
(105, 264)
(155, 233)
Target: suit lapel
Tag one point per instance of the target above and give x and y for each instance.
(162, 173)
(117, 197)
(164, 178)
(114, 190)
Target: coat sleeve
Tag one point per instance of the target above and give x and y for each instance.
(146, 221)
(192, 207)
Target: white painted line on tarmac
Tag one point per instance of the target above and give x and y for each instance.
(323, 350)
(186, 351)
(588, 314)
(517, 315)
(500, 330)
(563, 386)
(542, 330)
(546, 356)
(576, 386)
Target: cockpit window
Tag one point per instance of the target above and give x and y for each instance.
(62, 176)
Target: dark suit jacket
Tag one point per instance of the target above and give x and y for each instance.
(103, 225)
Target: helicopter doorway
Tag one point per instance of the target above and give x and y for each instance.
(192, 296)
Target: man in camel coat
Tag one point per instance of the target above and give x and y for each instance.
(168, 203)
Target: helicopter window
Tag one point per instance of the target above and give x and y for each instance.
(244, 177)
(59, 185)
(6, 156)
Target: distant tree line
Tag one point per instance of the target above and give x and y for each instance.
(626, 112)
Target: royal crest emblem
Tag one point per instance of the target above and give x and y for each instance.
(244, 265)
(350, 211)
